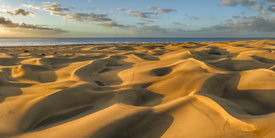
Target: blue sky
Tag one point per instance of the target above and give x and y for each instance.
(143, 18)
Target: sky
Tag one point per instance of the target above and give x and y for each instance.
(137, 18)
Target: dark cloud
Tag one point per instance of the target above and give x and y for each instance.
(159, 10)
(269, 0)
(247, 2)
(234, 2)
(228, 3)
(271, 8)
(258, 24)
(6, 23)
(20, 12)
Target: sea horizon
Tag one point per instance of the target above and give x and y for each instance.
(41, 41)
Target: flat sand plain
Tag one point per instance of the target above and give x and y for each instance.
(172, 90)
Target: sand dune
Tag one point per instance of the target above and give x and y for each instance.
(217, 89)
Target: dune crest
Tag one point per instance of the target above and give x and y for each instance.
(215, 89)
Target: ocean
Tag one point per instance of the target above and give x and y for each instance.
(71, 41)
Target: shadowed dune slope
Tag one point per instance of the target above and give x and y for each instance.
(215, 89)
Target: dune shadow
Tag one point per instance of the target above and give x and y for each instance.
(146, 124)
(97, 94)
(225, 86)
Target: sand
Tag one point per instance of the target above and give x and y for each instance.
(173, 90)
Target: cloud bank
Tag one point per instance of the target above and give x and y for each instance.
(7, 23)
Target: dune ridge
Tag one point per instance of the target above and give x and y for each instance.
(206, 89)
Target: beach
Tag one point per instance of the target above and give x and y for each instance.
(138, 90)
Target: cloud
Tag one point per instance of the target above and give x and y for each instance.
(109, 24)
(177, 23)
(31, 6)
(152, 29)
(268, 0)
(6, 23)
(159, 10)
(139, 14)
(257, 8)
(229, 20)
(233, 3)
(147, 14)
(89, 1)
(247, 2)
(20, 12)
(55, 7)
(228, 3)
(66, 23)
(181, 30)
(264, 12)
(87, 17)
(57, 14)
(258, 24)
(120, 9)
(195, 17)
(271, 8)
(236, 16)
(141, 23)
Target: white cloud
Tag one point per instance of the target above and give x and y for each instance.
(32, 6)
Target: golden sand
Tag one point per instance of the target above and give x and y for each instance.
(186, 90)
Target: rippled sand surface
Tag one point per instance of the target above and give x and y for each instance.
(213, 89)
